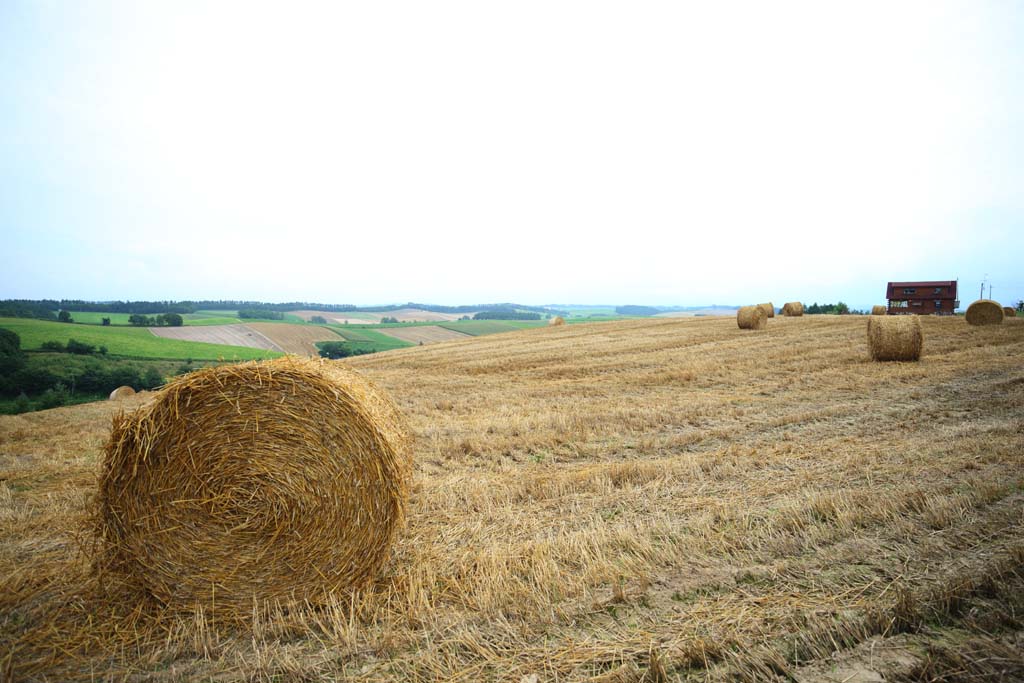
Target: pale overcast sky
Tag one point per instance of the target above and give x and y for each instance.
(537, 152)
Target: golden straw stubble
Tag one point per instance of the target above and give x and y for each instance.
(258, 483)
(895, 337)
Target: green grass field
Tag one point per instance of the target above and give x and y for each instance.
(368, 339)
(478, 328)
(133, 342)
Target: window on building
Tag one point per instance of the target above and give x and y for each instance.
(910, 290)
(917, 303)
(898, 304)
(938, 290)
(938, 303)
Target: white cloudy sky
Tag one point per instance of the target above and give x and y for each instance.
(464, 152)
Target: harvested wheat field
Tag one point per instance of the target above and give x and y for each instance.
(297, 339)
(231, 335)
(423, 334)
(643, 500)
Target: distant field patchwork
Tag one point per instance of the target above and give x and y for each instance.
(426, 334)
(297, 339)
(230, 335)
(136, 342)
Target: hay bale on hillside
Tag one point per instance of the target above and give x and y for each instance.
(879, 310)
(250, 484)
(121, 392)
(751, 318)
(895, 337)
(793, 309)
(557, 320)
(1009, 312)
(985, 312)
(769, 309)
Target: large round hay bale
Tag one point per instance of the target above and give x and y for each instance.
(769, 309)
(121, 392)
(985, 312)
(878, 310)
(253, 484)
(1009, 312)
(895, 337)
(793, 309)
(752, 318)
(557, 320)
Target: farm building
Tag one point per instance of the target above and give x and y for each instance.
(922, 298)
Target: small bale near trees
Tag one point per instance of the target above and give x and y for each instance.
(878, 310)
(793, 309)
(751, 318)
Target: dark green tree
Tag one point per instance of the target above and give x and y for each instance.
(64, 317)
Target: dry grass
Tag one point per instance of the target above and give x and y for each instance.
(298, 339)
(984, 312)
(752, 317)
(646, 499)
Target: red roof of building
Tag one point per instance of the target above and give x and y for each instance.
(951, 284)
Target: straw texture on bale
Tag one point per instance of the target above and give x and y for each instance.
(751, 318)
(121, 392)
(895, 337)
(557, 320)
(769, 309)
(1009, 312)
(793, 309)
(879, 310)
(258, 483)
(985, 312)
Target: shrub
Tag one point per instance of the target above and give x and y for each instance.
(54, 397)
(151, 379)
(52, 346)
(334, 350)
(80, 348)
(318, 319)
(106, 322)
(64, 317)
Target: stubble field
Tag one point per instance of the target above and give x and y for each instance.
(639, 500)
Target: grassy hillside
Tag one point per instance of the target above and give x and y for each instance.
(645, 500)
(135, 342)
(368, 339)
(483, 327)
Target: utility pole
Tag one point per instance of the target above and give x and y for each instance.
(990, 291)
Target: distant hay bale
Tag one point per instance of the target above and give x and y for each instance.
(769, 309)
(895, 337)
(557, 320)
(121, 392)
(793, 309)
(985, 312)
(253, 484)
(752, 318)
(1009, 312)
(879, 310)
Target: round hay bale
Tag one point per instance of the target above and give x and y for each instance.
(253, 484)
(879, 310)
(1009, 312)
(769, 309)
(121, 392)
(752, 317)
(895, 337)
(557, 320)
(985, 312)
(793, 309)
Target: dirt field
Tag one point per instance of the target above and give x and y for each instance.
(646, 500)
(297, 339)
(428, 334)
(404, 315)
(233, 335)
